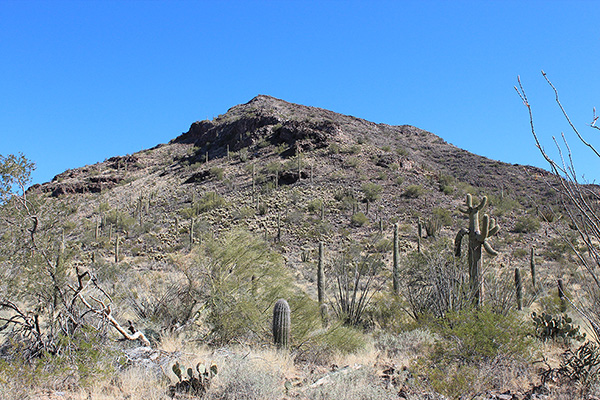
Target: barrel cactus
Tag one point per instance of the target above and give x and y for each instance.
(281, 324)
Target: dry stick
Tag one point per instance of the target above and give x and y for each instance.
(105, 312)
(568, 187)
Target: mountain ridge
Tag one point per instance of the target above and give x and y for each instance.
(266, 120)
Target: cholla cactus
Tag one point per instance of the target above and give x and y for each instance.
(477, 239)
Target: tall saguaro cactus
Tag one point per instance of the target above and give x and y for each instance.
(519, 288)
(281, 324)
(532, 266)
(396, 258)
(321, 276)
(477, 239)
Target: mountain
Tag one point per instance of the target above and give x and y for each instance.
(298, 174)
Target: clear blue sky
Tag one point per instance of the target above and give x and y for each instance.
(81, 81)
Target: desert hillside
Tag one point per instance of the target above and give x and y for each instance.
(135, 268)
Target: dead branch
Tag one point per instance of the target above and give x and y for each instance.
(105, 312)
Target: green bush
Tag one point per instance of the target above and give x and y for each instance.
(372, 191)
(120, 220)
(217, 173)
(527, 224)
(314, 206)
(557, 249)
(243, 278)
(210, 201)
(469, 342)
(446, 184)
(323, 345)
(352, 162)
(413, 191)
(359, 219)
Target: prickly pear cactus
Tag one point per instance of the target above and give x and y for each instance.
(477, 239)
(192, 385)
(281, 324)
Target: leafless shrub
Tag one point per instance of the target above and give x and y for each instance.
(580, 203)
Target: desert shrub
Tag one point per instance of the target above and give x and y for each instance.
(446, 184)
(209, 201)
(386, 312)
(413, 191)
(352, 384)
(165, 304)
(443, 215)
(323, 345)
(502, 204)
(357, 278)
(527, 224)
(243, 154)
(410, 343)
(471, 341)
(435, 282)
(217, 173)
(273, 167)
(295, 218)
(401, 151)
(243, 378)
(520, 252)
(371, 191)
(582, 365)
(352, 162)
(558, 249)
(241, 279)
(120, 220)
(358, 219)
(244, 213)
(354, 149)
(314, 206)
(86, 358)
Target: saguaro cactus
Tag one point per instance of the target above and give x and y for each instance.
(321, 276)
(519, 288)
(281, 324)
(532, 266)
(477, 239)
(419, 234)
(117, 249)
(396, 260)
(561, 296)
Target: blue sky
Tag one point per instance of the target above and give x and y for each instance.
(81, 81)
